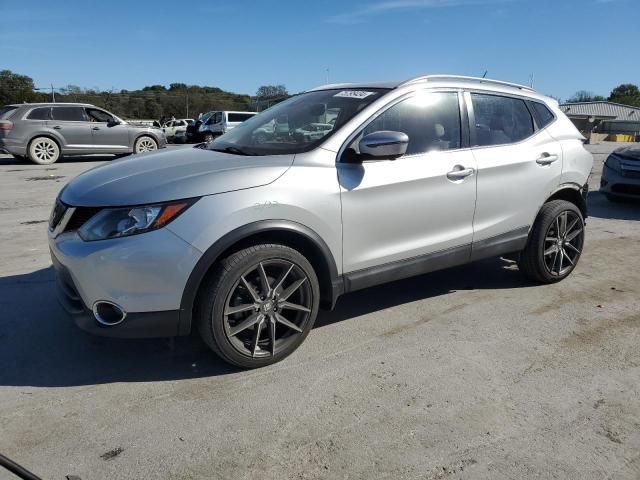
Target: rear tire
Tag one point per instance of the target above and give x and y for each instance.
(209, 137)
(555, 243)
(44, 151)
(258, 305)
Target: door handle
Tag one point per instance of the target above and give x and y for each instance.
(95, 128)
(57, 127)
(459, 173)
(546, 159)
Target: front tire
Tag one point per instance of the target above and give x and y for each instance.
(259, 305)
(555, 243)
(209, 137)
(145, 144)
(44, 151)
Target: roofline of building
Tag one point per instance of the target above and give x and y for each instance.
(599, 101)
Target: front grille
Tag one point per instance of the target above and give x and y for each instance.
(80, 217)
(56, 214)
(626, 189)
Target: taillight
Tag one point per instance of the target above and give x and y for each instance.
(6, 125)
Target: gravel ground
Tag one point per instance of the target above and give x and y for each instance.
(466, 373)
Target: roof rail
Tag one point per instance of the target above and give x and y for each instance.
(427, 78)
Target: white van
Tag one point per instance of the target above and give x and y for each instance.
(221, 122)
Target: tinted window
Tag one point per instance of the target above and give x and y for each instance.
(500, 120)
(71, 114)
(96, 115)
(6, 112)
(431, 120)
(238, 117)
(545, 117)
(42, 113)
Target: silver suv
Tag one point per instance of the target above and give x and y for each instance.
(245, 240)
(44, 132)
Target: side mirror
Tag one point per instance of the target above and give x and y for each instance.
(113, 122)
(383, 144)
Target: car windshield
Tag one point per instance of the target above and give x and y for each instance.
(298, 124)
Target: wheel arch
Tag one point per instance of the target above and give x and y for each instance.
(48, 135)
(144, 134)
(574, 193)
(289, 233)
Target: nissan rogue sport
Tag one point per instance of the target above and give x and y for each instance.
(245, 240)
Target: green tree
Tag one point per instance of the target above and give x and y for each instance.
(585, 96)
(15, 88)
(627, 93)
(266, 92)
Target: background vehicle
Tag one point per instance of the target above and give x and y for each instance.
(177, 128)
(44, 132)
(621, 175)
(246, 239)
(221, 122)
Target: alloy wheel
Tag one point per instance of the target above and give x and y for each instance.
(563, 243)
(45, 150)
(146, 145)
(268, 308)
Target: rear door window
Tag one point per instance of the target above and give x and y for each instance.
(69, 114)
(41, 113)
(500, 120)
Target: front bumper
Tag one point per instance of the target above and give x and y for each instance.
(615, 183)
(144, 274)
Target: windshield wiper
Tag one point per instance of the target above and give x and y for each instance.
(232, 150)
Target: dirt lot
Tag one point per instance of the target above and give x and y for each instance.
(468, 373)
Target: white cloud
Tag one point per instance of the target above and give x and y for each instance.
(359, 15)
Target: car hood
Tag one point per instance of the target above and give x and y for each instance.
(632, 153)
(170, 175)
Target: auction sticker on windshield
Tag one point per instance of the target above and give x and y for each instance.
(354, 94)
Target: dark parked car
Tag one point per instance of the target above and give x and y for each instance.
(621, 174)
(44, 132)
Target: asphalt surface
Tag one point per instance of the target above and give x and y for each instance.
(468, 373)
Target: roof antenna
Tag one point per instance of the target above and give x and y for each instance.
(484, 75)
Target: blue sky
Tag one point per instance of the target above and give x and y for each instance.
(241, 44)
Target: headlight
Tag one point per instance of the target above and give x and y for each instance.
(613, 162)
(122, 222)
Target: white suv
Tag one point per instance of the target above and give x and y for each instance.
(246, 237)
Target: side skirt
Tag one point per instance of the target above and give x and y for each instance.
(502, 244)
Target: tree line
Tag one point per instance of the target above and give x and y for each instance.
(151, 102)
(627, 94)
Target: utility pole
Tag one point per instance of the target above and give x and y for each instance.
(53, 94)
(187, 103)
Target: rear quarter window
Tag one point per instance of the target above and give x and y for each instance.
(543, 115)
(6, 112)
(40, 113)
